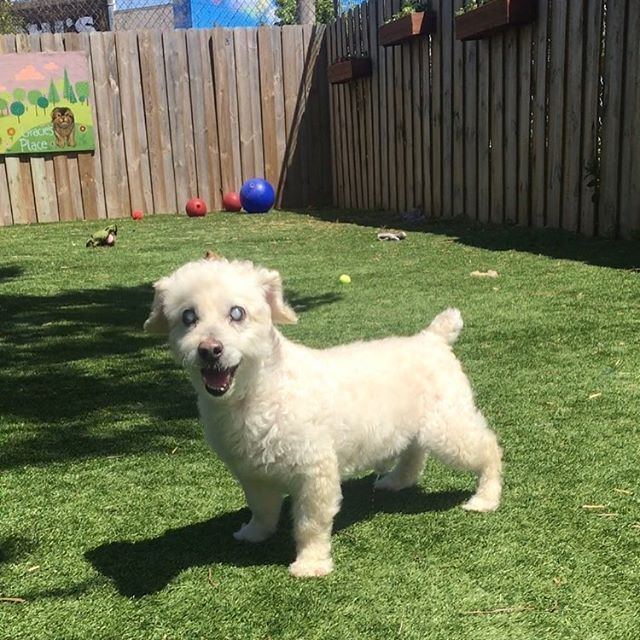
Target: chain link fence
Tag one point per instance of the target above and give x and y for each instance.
(50, 16)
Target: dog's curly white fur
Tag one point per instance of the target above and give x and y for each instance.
(288, 419)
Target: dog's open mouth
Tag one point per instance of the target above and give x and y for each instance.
(218, 380)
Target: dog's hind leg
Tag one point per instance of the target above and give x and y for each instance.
(315, 503)
(407, 471)
(265, 503)
(466, 442)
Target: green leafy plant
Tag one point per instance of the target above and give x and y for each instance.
(286, 11)
(470, 6)
(409, 7)
(352, 56)
(592, 174)
(9, 21)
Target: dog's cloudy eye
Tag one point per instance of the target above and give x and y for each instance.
(189, 317)
(237, 314)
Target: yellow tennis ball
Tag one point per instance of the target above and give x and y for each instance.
(345, 279)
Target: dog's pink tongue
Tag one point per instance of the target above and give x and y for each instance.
(216, 379)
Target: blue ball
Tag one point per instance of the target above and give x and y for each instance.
(257, 196)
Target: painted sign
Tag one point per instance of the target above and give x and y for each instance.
(45, 103)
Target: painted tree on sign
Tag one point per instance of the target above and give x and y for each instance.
(17, 109)
(82, 91)
(43, 103)
(53, 95)
(19, 94)
(67, 89)
(4, 105)
(33, 96)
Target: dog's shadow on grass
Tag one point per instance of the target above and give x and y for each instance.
(145, 567)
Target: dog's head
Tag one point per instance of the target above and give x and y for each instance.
(62, 117)
(219, 317)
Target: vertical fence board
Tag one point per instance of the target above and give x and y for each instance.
(460, 86)
(555, 168)
(108, 114)
(573, 161)
(496, 88)
(227, 108)
(592, 33)
(394, 161)
(89, 162)
(156, 111)
(427, 158)
(611, 119)
(292, 66)
(336, 176)
(249, 120)
(272, 107)
(437, 62)
(181, 123)
(484, 131)
(354, 92)
(415, 196)
(470, 139)
(133, 122)
(511, 128)
(446, 36)
(376, 194)
(383, 61)
(205, 117)
(398, 127)
(539, 142)
(524, 126)
(367, 87)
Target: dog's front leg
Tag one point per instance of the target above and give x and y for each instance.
(315, 503)
(265, 503)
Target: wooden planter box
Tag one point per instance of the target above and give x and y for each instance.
(406, 28)
(493, 17)
(348, 70)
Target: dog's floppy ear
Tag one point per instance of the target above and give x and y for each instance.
(157, 321)
(281, 312)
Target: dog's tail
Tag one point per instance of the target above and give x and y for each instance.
(447, 325)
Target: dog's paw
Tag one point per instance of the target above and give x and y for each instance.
(480, 504)
(251, 533)
(311, 568)
(390, 482)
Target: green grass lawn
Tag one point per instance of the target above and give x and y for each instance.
(116, 521)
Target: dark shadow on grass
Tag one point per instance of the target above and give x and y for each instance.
(554, 243)
(14, 547)
(79, 357)
(10, 272)
(146, 566)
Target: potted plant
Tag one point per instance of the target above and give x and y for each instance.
(413, 20)
(347, 68)
(482, 18)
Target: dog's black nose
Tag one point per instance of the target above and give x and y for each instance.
(210, 350)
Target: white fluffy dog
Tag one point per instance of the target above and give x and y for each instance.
(287, 419)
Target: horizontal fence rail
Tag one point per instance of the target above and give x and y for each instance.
(537, 125)
(179, 114)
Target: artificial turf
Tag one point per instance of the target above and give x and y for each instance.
(116, 521)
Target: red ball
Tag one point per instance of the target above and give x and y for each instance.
(196, 208)
(137, 214)
(231, 201)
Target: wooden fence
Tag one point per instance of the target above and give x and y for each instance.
(501, 129)
(179, 114)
